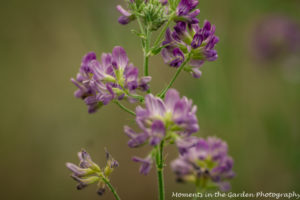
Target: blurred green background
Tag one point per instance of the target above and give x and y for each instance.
(253, 105)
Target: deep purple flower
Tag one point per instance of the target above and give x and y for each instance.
(113, 78)
(186, 11)
(193, 40)
(88, 172)
(160, 119)
(205, 160)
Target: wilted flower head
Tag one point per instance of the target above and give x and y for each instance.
(187, 39)
(113, 78)
(152, 12)
(88, 172)
(206, 163)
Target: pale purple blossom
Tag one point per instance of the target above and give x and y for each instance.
(205, 159)
(168, 119)
(113, 77)
(173, 115)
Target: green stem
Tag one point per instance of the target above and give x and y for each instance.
(160, 175)
(124, 108)
(138, 97)
(142, 29)
(162, 94)
(112, 189)
(201, 184)
(163, 31)
(140, 24)
(146, 52)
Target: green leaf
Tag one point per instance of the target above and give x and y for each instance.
(140, 35)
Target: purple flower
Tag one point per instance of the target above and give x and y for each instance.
(205, 159)
(276, 37)
(184, 144)
(113, 78)
(160, 119)
(190, 39)
(186, 11)
(87, 172)
(173, 118)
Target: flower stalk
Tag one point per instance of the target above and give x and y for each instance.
(160, 167)
(162, 94)
(111, 188)
(146, 53)
(124, 108)
(163, 31)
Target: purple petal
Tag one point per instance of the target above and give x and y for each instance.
(154, 105)
(146, 164)
(120, 57)
(197, 41)
(185, 6)
(158, 131)
(89, 57)
(196, 73)
(123, 11)
(172, 96)
(144, 83)
(167, 55)
(136, 139)
(224, 186)
(179, 58)
(76, 170)
(124, 20)
(180, 167)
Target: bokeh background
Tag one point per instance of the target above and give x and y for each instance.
(251, 101)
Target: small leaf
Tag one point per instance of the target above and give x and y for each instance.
(140, 35)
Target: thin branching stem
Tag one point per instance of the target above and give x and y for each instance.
(124, 108)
